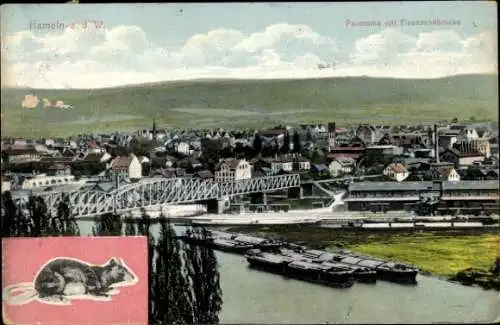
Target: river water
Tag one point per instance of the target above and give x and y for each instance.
(252, 296)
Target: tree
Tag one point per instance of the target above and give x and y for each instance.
(257, 144)
(172, 301)
(286, 143)
(66, 222)
(9, 215)
(109, 224)
(205, 278)
(39, 218)
(296, 143)
(144, 223)
(130, 229)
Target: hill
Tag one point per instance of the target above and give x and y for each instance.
(208, 103)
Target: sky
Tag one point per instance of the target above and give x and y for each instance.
(107, 45)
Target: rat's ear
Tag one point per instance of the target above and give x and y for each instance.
(113, 261)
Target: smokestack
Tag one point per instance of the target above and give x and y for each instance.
(436, 143)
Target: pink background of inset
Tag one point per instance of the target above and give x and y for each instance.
(23, 257)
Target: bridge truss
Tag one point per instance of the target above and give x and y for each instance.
(159, 191)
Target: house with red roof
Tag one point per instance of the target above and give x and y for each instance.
(396, 171)
(127, 166)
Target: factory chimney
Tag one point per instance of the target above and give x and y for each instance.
(436, 143)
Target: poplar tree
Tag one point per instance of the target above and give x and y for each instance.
(9, 215)
(65, 222)
(109, 224)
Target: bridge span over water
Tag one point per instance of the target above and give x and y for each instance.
(158, 191)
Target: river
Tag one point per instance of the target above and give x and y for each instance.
(252, 296)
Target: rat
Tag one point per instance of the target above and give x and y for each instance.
(63, 279)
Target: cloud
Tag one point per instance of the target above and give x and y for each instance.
(93, 58)
(30, 101)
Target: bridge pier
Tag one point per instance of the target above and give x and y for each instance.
(215, 206)
(307, 189)
(258, 198)
(295, 193)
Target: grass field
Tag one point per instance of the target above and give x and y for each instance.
(440, 253)
(252, 103)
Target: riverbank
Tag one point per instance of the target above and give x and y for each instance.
(457, 255)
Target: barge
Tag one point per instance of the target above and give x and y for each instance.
(362, 268)
(269, 262)
(360, 273)
(229, 246)
(319, 273)
(257, 242)
(385, 270)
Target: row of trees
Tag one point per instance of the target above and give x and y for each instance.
(184, 283)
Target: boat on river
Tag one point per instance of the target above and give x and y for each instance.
(229, 246)
(386, 270)
(325, 274)
(222, 241)
(320, 273)
(361, 274)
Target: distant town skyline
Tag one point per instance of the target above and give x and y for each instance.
(105, 45)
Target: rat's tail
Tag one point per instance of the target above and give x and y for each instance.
(19, 294)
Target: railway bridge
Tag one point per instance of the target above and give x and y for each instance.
(158, 191)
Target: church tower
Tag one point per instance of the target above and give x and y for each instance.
(154, 130)
(331, 135)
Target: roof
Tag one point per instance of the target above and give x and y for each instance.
(444, 171)
(389, 186)
(337, 155)
(472, 185)
(465, 154)
(232, 163)
(205, 174)
(57, 166)
(93, 157)
(122, 162)
(272, 133)
(345, 161)
(397, 168)
(320, 167)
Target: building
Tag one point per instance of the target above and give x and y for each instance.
(397, 172)
(233, 169)
(127, 166)
(445, 173)
(43, 180)
(367, 133)
(6, 184)
(331, 135)
(342, 166)
(479, 145)
(461, 158)
(352, 150)
(385, 196)
(183, 148)
(466, 195)
(23, 154)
